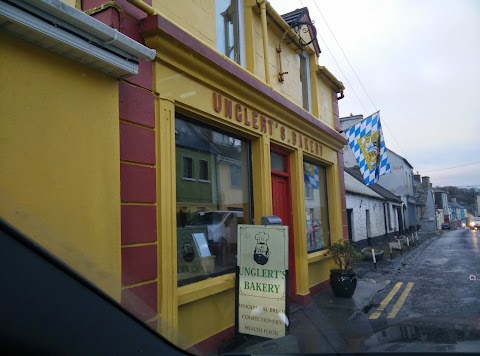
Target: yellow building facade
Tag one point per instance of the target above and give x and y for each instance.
(243, 124)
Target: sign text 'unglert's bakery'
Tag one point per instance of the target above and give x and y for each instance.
(250, 118)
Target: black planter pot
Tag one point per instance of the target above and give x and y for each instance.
(343, 283)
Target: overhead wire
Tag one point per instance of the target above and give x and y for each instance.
(333, 57)
(444, 169)
(349, 63)
(366, 92)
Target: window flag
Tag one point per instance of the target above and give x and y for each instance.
(310, 175)
(366, 141)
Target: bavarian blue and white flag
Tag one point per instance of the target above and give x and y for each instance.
(366, 141)
(310, 175)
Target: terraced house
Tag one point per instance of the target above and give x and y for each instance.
(128, 127)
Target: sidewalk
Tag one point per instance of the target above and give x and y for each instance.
(328, 323)
(322, 326)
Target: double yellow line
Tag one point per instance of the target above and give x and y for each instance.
(389, 297)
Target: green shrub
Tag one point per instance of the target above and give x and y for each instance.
(344, 255)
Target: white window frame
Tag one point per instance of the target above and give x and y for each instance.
(183, 168)
(200, 170)
(305, 88)
(239, 36)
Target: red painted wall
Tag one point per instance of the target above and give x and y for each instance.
(137, 170)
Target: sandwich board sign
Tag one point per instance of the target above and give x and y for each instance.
(262, 280)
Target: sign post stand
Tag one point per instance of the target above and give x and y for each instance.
(262, 281)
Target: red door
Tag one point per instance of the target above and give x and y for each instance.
(282, 208)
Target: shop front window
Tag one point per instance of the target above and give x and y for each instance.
(210, 206)
(316, 207)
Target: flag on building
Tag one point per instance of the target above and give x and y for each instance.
(310, 175)
(368, 146)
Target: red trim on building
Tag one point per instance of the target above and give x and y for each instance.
(302, 300)
(153, 324)
(109, 17)
(155, 23)
(144, 78)
(137, 144)
(141, 300)
(124, 4)
(139, 224)
(137, 184)
(139, 264)
(320, 287)
(136, 105)
(213, 343)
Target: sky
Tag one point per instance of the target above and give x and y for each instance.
(418, 62)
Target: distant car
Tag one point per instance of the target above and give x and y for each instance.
(474, 224)
(446, 226)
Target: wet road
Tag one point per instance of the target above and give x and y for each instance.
(433, 301)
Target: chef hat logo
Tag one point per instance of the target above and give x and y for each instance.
(262, 238)
(262, 252)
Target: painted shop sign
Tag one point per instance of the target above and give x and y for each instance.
(251, 119)
(262, 280)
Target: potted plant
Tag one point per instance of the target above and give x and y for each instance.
(343, 279)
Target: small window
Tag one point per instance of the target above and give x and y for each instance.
(278, 162)
(308, 192)
(305, 81)
(235, 176)
(203, 174)
(229, 19)
(388, 217)
(188, 167)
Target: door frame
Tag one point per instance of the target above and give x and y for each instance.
(349, 224)
(291, 245)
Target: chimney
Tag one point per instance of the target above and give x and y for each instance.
(426, 181)
(416, 178)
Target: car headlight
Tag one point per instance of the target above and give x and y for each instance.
(472, 223)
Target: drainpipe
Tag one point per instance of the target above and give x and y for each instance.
(149, 10)
(263, 11)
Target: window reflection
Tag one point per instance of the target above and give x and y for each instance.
(228, 15)
(212, 202)
(316, 209)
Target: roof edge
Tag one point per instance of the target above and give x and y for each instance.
(324, 72)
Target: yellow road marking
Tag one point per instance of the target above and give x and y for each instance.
(400, 301)
(385, 302)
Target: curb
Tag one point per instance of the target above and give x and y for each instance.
(370, 300)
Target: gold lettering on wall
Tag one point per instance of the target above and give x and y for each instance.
(254, 121)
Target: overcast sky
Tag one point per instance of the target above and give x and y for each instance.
(419, 61)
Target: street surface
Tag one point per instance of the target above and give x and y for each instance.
(425, 300)
(433, 301)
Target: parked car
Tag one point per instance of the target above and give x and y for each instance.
(220, 224)
(446, 226)
(221, 233)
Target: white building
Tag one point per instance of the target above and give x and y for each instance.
(371, 211)
(399, 182)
